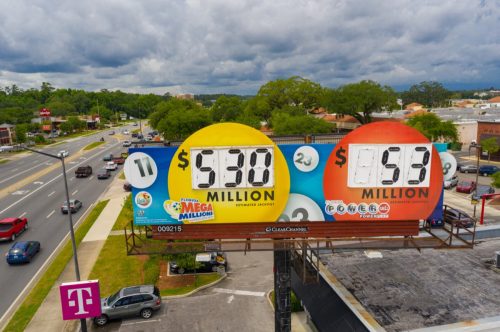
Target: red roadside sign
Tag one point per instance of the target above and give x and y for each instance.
(44, 112)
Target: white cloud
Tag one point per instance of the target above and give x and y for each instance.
(236, 46)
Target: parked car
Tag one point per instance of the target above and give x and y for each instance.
(481, 191)
(468, 169)
(208, 262)
(486, 170)
(130, 301)
(22, 252)
(457, 217)
(63, 153)
(83, 171)
(112, 132)
(466, 186)
(135, 124)
(126, 132)
(10, 228)
(127, 143)
(74, 205)
(134, 135)
(107, 157)
(110, 165)
(448, 184)
(127, 186)
(103, 173)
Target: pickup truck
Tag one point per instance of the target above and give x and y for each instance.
(10, 228)
(118, 160)
(83, 171)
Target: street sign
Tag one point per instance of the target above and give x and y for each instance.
(44, 112)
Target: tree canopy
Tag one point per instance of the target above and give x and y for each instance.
(429, 94)
(490, 145)
(434, 128)
(361, 100)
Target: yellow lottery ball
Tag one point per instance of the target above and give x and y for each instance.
(228, 173)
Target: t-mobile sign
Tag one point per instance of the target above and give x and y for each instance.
(80, 299)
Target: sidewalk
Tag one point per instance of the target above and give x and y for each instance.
(49, 317)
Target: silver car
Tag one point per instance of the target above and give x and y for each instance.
(130, 301)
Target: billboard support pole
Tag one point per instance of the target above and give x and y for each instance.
(282, 288)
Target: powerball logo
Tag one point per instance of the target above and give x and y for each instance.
(364, 210)
(189, 210)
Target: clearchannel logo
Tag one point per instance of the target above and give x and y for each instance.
(365, 210)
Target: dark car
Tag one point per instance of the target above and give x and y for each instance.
(10, 228)
(107, 157)
(468, 169)
(481, 191)
(74, 206)
(466, 186)
(22, 252)
(83, 171)
(134, 135)
(457, 217)
(127, 186)
(208, 262)
(130, 301)
(103, 173)
(488, 170)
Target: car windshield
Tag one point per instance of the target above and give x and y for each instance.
(5, 227)
(113, 297)
(465, 183)
(71, 202)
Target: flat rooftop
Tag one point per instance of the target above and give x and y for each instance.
(407, 289)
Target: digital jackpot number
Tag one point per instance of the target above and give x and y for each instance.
(386, 165)
(232, 167)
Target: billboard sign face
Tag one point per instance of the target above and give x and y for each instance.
(233, 174)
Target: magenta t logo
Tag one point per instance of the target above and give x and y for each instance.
(80, 299)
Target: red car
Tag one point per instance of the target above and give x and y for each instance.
(466, 187)
(10, 228)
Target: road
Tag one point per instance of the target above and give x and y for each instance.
(40, 199)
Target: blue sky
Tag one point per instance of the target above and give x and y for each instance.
(231, 46)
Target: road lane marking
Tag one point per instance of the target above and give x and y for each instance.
(53, 211)
(52, 193)
(13, 176)
(141, 322)
(20, 192)
(22, 215)
(230, 299)
(74, 192)
(50, 181)
(238, 292)
(15, 169)
(91, 177)
(38, 182)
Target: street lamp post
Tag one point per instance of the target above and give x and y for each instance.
(83, 322)
(478, 155)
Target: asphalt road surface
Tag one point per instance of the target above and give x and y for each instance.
(40, 201)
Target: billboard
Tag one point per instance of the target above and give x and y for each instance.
(229, 176)
(44, 112)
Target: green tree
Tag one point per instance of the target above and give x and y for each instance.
(292, 94)
(430, 94)
(361, 99)
(286, 124)
(21, 130)
(226, 109)
(61, 108)
(433, 127)
(490, 145)
(496, 180)
(177, 119)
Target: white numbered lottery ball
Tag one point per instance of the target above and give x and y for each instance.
(301, 208)
(306, 158)
(140, 170)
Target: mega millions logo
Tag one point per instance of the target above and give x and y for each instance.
(189, 210)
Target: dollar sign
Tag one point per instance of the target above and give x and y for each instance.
(340, 157)
(183, 161)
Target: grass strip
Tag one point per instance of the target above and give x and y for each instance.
(28, 308)
(93, 145)
(126, 214)
(3, 161)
